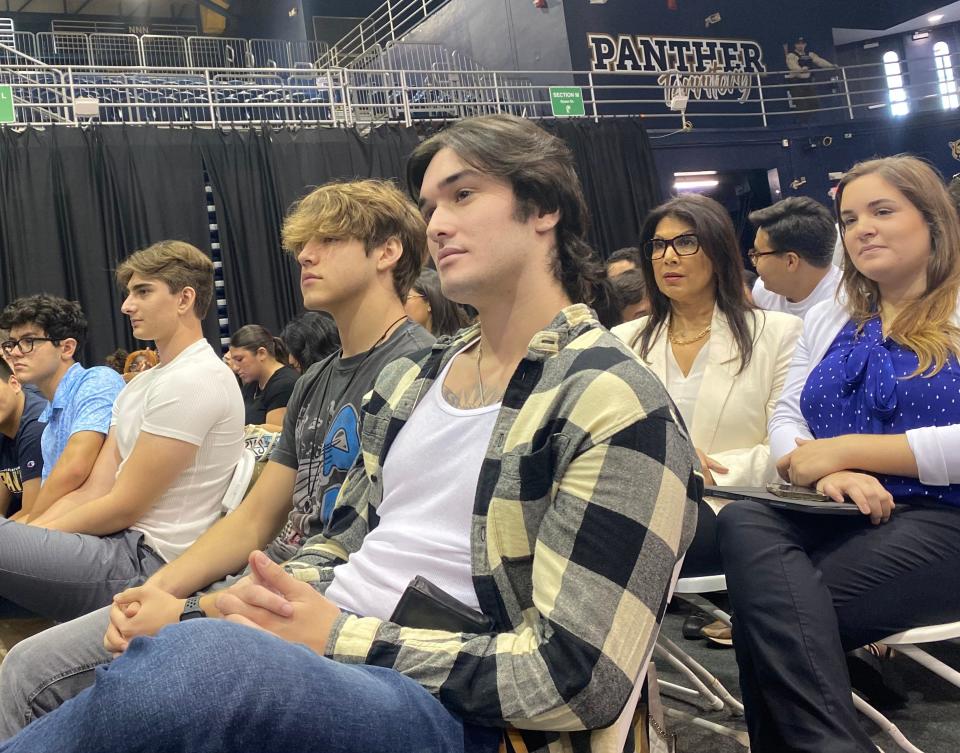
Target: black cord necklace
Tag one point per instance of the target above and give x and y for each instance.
(315, 453)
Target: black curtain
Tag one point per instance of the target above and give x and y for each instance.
(75, 202)
(256, 175)
(616, 167)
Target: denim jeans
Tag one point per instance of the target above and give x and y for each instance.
(46, 669)
(209, 685)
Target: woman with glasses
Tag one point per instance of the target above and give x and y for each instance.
(722, 361)
(427, 306)
(870, 413)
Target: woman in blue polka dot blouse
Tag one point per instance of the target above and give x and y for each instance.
(870, 414)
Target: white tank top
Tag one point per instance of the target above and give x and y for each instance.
(429, 484)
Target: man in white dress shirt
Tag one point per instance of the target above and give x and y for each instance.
(793, 254)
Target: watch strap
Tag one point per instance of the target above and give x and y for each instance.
(191, 609)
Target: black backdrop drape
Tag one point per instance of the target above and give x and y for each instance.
(74, 202)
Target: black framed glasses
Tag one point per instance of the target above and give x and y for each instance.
(686, 244)
(753, 255)
(25, 344)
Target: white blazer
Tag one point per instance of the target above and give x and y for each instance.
(936, 448)
(730, 420)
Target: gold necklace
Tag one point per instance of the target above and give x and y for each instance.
(688, 341)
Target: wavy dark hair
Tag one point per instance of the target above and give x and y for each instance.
(311, 337)
(446, 317)
(540, 169)
(57, 317)
(712, 225)
(252, 337)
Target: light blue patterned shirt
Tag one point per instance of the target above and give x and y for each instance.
(83, 402)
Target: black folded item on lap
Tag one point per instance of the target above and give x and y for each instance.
(428, 607)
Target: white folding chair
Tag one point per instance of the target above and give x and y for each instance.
(905, 643)
(707, 692)
(237, 489)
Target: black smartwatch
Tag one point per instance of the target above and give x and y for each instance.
(191, 609)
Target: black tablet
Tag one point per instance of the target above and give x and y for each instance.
(760, 494)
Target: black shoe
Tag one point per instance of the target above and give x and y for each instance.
(876, 679)
(693, 624)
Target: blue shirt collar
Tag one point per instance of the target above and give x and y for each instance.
(64, 391)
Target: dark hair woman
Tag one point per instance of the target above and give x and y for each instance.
(261, 363)
(723, 362)
(309, 338)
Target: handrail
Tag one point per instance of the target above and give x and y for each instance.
(426, 92)
(33, 61)
(387, 23)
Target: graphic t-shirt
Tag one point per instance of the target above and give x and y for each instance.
(321, 431)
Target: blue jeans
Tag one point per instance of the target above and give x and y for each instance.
(209, 685)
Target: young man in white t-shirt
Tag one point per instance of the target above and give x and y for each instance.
(793, 254)
(175, 438)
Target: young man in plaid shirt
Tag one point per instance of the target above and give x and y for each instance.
(529, 466)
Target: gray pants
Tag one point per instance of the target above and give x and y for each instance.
(65, 575)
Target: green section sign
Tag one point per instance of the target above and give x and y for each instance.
(566, 101)
(7, 114)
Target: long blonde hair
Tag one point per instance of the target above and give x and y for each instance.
(926, 326)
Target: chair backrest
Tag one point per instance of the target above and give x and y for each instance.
(240, 481)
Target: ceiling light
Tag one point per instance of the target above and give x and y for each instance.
(691, 185)
(694, 173)
(935, 18)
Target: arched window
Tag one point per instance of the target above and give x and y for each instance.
(898, 95)
(948, 87)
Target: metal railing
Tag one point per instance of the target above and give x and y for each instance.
(385, 25)
(364, 94)
(66, 48)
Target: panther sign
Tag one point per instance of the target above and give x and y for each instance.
(697, 67)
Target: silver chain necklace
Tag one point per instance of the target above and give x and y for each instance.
(483, 400)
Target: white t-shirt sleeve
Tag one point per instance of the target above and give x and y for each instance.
(787, 422)
(185, 407)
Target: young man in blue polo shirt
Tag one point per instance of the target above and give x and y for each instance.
(45, 335)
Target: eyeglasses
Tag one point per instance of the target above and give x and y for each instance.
(753, 255)
(684, 245)
(25, 344)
